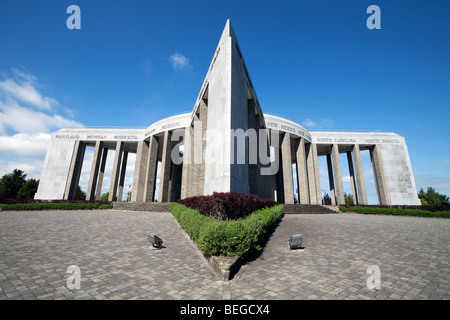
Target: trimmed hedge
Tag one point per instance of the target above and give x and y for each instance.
(398, 211)
(227, 205)
(55, 206)
(226, 238)
(433, 208)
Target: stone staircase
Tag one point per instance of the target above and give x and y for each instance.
(309, 209)
(142, 206)
(165, 207)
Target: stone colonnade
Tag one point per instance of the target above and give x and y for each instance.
(297, 151)
(180, 180)
(97, 171)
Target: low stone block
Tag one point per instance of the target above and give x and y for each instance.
(225, 267)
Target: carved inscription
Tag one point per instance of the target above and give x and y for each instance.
(125, 137)
(170, 125)
(67, 136)
(96, 137)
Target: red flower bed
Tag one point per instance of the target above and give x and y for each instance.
(227, 205)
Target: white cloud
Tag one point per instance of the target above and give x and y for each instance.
(321, 124)
(22, 119)
(23, 87)
(308, 123)
(25, 144)
(444, 163)
(179, 62)
(32, 167)
(26, 119)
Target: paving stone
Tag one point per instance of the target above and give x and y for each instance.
(116, 261)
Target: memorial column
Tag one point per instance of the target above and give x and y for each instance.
(337, 175)
(101, 174)
(152, 165)
(380, 179)
(302, 176)
(115, 171)
(313, 174)
(95, 166)
(140, 170)
(166, 164)
(317, 174)
(331, 179)
(123, 171)
(351, 172)
(286, 167)
(360, 184)
(186, 173)
(75, 170)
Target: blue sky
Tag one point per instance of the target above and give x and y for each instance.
(314, 62)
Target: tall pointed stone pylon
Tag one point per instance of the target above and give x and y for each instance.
(228, 103)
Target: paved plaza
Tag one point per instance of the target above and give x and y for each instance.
(112, 251)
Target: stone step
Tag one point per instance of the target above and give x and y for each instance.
(165, 207)
(142, 206)
(309, 209)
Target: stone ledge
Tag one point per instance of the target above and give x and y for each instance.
(142, 206)
(225, 267)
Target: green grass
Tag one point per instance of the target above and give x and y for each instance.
(397, 211)
(53, 206)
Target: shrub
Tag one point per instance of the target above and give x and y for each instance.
(227, 205)
(225, 238)
(55, 206)
(400, 211)
(189, 219)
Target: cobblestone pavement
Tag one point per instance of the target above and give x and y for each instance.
(116, 262)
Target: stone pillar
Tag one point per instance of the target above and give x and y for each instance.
(199, 146)
(166, 164)
(302, 176)
(101, 174)
(175, 182)
(254, 176)
(186, 173)
(75, 170)
(380, 179)
(140, 170)
(115, 171)
(152, 165)
(337, 175)
(313, 174)
(317, 174)
(331, 179)
(351, 172)
(360, 185)
(123, 171)
(275, 138)
(95, 166)
(286, 167)
(266, 171)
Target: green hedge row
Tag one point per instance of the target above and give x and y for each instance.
(226, 238)
(54, 206)
(396, 211)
